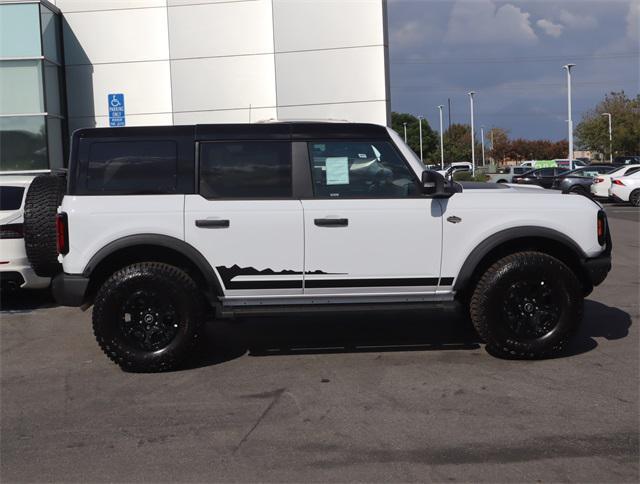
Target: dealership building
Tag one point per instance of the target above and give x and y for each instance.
(69, 64)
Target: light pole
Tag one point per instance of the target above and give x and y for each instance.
(482, 138)
(473, 134)
(405, 132)
(610, 138)
(570, 117)
(420, 124)
(441, 140)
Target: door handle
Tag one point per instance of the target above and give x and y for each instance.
(331, 222)
(208, 223)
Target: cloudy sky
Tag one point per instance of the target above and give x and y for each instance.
(511, 53)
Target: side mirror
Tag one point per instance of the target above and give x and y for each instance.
(435, 185)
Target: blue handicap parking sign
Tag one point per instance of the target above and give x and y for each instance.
(116, 110)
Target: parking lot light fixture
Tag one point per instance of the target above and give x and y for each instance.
(441, 139)
(568, 67)
(610, 138)
(473, 147)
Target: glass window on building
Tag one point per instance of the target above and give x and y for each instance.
(32, 113)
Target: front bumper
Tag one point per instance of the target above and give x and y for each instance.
(69, 289)
(597, 268)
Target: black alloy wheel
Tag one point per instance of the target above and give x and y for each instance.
(147, 316)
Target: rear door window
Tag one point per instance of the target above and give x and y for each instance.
(245, 170)
(133, 167)
(11, 197)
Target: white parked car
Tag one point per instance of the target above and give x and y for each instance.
(162, 228)
(626, 189)
(15, 270)
(602, 183)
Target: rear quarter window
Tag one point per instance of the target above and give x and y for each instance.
(132, 167)
(11, 197)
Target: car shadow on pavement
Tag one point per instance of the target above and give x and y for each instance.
(599, 321)
(335, 333)
(25, 300)
(403, 331)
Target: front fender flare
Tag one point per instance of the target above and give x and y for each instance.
(486, 246)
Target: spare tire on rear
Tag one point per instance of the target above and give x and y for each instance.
(40, 208)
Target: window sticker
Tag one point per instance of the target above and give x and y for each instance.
(337, 170)
(362, 155)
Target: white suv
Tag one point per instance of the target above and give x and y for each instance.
(161, 225)
(15, 270)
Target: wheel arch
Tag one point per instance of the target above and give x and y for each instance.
(151, 247)
(517, 239)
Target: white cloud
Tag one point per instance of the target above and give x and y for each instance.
(549, 28)
(480, 22)
(577, 21)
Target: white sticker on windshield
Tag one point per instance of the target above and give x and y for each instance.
(337, 170)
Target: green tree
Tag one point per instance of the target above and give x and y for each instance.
(593, 131)
(457, 144)
(430, 141)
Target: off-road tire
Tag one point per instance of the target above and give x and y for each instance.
(176, 288)
(634, 198)
(40, 208)
(489, 300)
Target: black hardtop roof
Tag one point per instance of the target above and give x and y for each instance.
(283, 130)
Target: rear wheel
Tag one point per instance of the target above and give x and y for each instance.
(40, 208)
(147, 317)
(527, 305)
(634, 198)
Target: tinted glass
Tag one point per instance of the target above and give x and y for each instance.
(633, 170)
(135, 167)
(360, 169)
(21, 89)
(23, 144)
(546, 172)
(20, 30)
(50, 34)
(245, 169)
(11, 198)
(519, 171)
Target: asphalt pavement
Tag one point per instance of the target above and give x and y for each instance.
(366, 397)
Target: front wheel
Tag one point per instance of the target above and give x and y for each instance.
(527, 305)
(147, 316)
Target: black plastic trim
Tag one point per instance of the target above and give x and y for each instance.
(69, 289)
(486, 246)
(165, 241)
(389, 282)
(597, 268)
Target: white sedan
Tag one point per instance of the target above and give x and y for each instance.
(15, 270)
(602, 183)
(626, 189)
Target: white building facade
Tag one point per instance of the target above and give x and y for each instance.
(225, 61)
(64, 64)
